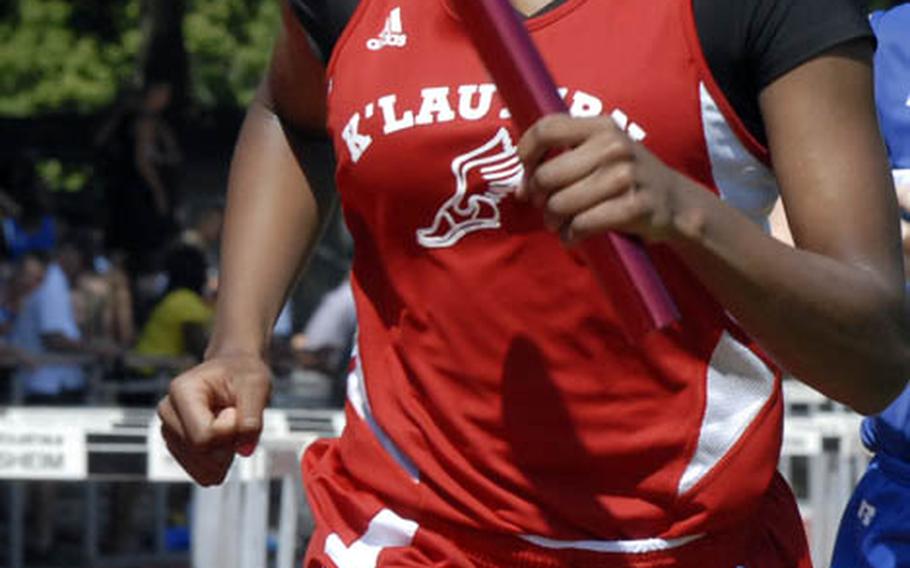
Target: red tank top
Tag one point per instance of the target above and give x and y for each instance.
(491, 369)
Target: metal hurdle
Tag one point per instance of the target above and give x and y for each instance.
(94, 445)
(822, 458)
(230, 528)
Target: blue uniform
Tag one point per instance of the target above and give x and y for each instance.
(892, 81)
(875, 530)
(890, 431)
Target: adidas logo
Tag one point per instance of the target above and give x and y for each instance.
(392, 34)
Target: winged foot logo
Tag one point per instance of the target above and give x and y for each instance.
(497, 164)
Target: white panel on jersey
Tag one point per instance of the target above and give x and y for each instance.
(743, 180)
(386, 530)
(641, 546)
(357, 396)
(739, 384)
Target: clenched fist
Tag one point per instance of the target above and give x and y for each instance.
(212, 412)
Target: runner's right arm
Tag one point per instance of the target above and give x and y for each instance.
(273, 221)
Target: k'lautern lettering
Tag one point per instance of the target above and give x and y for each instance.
(466, 102)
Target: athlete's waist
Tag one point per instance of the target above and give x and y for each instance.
(722, 541)
(527, 551)
(719, 549)
(568, 509)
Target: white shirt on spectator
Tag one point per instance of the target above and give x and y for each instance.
(49, 309)
(335, 320)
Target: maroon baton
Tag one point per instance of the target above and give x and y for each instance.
(620, 261)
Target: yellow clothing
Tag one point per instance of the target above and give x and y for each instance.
(163, 333)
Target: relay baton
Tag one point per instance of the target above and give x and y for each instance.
(620, 261)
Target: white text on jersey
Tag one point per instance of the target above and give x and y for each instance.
(466, 102)
(392, 34)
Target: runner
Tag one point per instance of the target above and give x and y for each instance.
(497, 413)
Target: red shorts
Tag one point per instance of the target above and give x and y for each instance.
(355, 529)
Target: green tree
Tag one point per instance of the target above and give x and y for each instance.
(229, 42)
(49, 64)
(75, 55)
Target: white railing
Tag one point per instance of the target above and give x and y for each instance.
(822, 458)
(106, 444)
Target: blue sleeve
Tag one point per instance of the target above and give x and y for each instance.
(890, 431)
(892, 81)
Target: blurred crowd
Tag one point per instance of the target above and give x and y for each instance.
(133, 292)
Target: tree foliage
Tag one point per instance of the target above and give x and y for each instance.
(229, 43)
(47, 63)
(76, 55)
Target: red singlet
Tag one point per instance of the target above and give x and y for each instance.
(493, 389)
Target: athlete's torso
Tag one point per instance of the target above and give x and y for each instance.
(496, 371)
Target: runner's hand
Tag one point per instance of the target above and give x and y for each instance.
(601, 181)
(212, 412)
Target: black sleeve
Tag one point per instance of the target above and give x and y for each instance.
(324, 20)
(750, 43)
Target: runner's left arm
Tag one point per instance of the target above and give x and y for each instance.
(831, 310)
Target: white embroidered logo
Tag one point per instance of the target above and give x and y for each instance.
(499, 167)
(392, 34)
(386, 530)
(866, 513)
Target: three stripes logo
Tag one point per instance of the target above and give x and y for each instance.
(392, 34)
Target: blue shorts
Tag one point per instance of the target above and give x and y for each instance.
(875, 530)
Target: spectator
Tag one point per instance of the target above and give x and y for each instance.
(28, 274)
(23, 278)
(122, 319)
(28, 225)
(103, 302)
(328, 335)
(177, 327)
(179, 323)
(33, 233)
(139, 159)
(204, 231)
(9, 211)
(46, 323)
